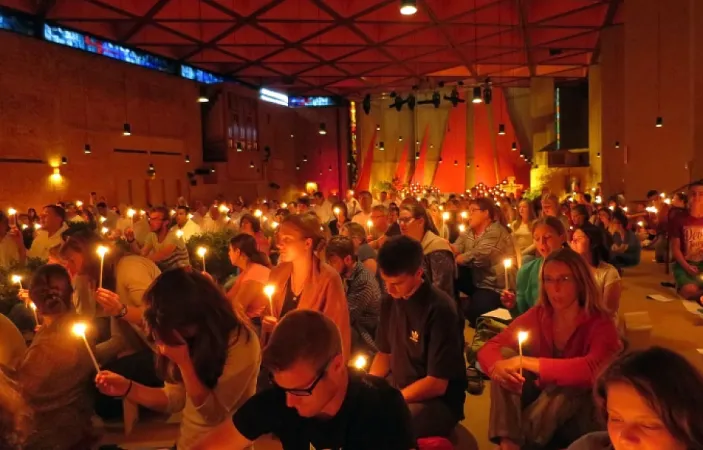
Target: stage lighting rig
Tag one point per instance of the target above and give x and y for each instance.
(453, 98)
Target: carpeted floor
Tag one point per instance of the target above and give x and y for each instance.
(672, 327)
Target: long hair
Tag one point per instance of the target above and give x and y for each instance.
(246, 244)
(86, 244)
(551, 222)
(596, 244)
(530, 215)
(309, 226)
(187, 302)
(589, 296)
(51, 290)
(254, 221)
(668, 383)
(419, 212)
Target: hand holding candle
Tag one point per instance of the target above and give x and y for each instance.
(130, 214)
(521, 338)
(507, 263)
(79, 330)
(369, 224)
(17, 279)
(269, 290)
(34, 311)
(202, 251)
(102, 250)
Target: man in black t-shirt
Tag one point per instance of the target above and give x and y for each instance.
(418, 340)
(316, 402)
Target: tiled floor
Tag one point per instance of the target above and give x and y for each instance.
(673, 327)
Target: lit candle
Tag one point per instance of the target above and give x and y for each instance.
(258, 213)
(507, 263)
(102, 219)
(274, 225)
(640, 224)
(284, 205)
(336, 212)
(269, 289)
(445, 217)
(462, 228)
(179, 234)
(173, 212)
(369, 224)
(360, 362)
(79, 203)
(12, 212)
(33, 307)
(24, 226)
(79, 330)
(464, 214)
(521, 337)
(104, 230)
(201, 252)
(130, 214)
(224, 209)
(101, 253)
(667, 201)
(37, 226)
(17, 279)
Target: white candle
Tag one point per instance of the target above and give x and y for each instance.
(445, 217)
(17, 279)
(202, 251)
(33, 307)
(130, 214)
(101, 253)
(507, 263)
(521, 337)
(369, 224)
(12, 213)
(269, 289)
(79, 330)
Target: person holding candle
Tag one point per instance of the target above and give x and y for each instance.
(49, 235)
(303, 281)
(522, 229)
(208, 354)
(549, 236)
(163, 247)
(12, 250)
(383, 225)
(341, 217)
(571, 336)
(186, 225)
(251, 225)
(56, 372)
(650, 400)
(247, 292)
(364, 214)
(481, 253)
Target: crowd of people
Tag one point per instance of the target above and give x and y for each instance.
(343, 324)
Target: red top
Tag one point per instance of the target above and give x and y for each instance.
(594, 343)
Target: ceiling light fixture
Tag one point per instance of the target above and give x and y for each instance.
(659, 123)
(64, 160)
(476, 98)
(251, 164)
(514, 146)
(617, 144)
(400, 138)
(501, 129)
(417, 155)
(87, 149)
(323, 129)
(440, 160)
(126, 129)
(381, 147)
(305, 158)
(187, 159)
(408, 7)
(456, 163)
(378, 127)
(239, 147)
(203, 98)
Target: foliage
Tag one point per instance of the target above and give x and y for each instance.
(217, 257)
(533, 193)
(382, 186)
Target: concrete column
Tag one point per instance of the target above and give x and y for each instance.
(595, 125)
(542, 111)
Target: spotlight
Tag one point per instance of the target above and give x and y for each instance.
(64, 160)
(126, 130)
(187, 158)
(87, 149)
(417, 155)
(408, 7)
(617, 144)
(501, 129)
(476, 97)
(660, 122)
(251, 164)
(202, 98)
(381, 147)
(400, 138)
(378, 127)
(366, 104)
(454, 98)
(514, 146)
(323, 129)
(239, 147)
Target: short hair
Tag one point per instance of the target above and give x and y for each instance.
(380, 208)
(59, 211)
(355, 230)
(340, 246)
(581, 209)
(400, 255)
(669, 385)
(587, 197)
(318, 194)
(652, 192)
(485, 204)
(620, 217)
(101, 205)
(682, 196)
(303, 201)
(365, 193)
(393, 208)
(589, 296)
(551, 222)
(253, 220)
(303, 335)
(184, 208)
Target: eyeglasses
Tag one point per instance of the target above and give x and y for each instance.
(473, 210)
(406, 220)
(560, 280)
(307, 392)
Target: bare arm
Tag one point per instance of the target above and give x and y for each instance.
(381, 365)
(163, 253)
(425, 389)
(152, 398)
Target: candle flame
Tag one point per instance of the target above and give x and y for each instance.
(79, 329)
(102, 250)
(464, 214)
(16, 279)
(37, 226)
(12, 211)
(369, 223)
(131, 213)
(284, 205)
(179, 233)
(360, 362)
(33, 306)
(258, 213)
(522, 336)
(224, 209)
(269, 289)
(104, 230)
(507, 263)
(102, 219)
(462, 228)
(274, 225)
(79, 203)
(445, 216)
(202, 251)
(337, 211)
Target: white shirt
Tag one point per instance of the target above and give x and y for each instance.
(362, 218)
(9, 253)
(141, 230)
(110, 220)
(352, 207)
(123, 223)
(76, 219)
(43, 243)
(324, 211)
(189, 230)
(211, 225)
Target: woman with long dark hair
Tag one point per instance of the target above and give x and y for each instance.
(303, 281)
(56, 373)
(208, 355)
(651, 400)
(251, 225)
(248, 291)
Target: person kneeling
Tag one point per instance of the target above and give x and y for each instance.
(315, 401)
(570, 336)
(418, 328)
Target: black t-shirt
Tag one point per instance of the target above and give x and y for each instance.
(422, 338)
(373, 416)
(290, 301)
(393, 230)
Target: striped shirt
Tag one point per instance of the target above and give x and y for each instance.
(178, 258)
(364, 300)
(485, 253)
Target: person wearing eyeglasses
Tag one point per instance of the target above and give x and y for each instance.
(316, 401)
(162, 246)
(543, 398)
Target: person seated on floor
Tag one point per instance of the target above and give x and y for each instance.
(56, 373)
(340, 217)
(418, 341)
(383, 227)
(363, 293)
(481, 251)
(651, 401)
(247, 292)
(626, 248)
(364, 253)
(208, 355)
(549, 236)
(589, 242)
(438, 263)
(687, 246)
(544, 397)
(550, 207)
(316, 401)
(162, 246)
(15, 415)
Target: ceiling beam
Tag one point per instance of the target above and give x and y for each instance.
(44, 7)
(607, 22)
(145, 19)
(522, 24)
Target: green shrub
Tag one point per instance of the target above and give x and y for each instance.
(217, 257)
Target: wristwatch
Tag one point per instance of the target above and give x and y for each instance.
(122, 313)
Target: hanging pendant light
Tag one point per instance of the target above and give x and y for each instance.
(87, 149)
(305, 158)
(323, 129)
(151, 167)
(598, 155)
(659, 123)
(514, 146)
(381, 147)
(408, 7)
(400, 138)
(468, 165)
(617, 144)
(251, 164)
(378, 127)
(126, 129)
(239, 147)
(187, 159)
(477, 95)
(501, 129)
(297, 167)
(456, 163)
(329, 168)
(64, 160)
(440, 160)
(417, 155)
(203, 98)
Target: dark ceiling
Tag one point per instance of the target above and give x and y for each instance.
(351, 47)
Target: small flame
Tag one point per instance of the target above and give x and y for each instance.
(79, 329)
(522, 336)
(202, 251)
(102, 250)
(360, 362)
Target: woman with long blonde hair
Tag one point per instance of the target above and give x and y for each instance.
(522, 227)
(568, 337)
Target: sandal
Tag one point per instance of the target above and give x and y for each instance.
(474, 379)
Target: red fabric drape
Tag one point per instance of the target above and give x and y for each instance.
(364, 181)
